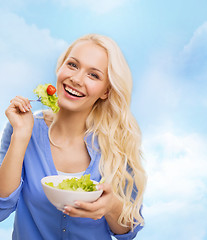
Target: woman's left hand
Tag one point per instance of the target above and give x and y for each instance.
(95, 210)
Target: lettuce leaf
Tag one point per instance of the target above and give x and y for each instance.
(48, 100)
(76, 184)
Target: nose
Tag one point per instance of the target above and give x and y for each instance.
(77, 78)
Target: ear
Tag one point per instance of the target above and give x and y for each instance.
(105, 95)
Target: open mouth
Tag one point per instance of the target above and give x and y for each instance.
(73, 92)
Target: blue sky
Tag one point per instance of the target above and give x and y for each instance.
(164, 43)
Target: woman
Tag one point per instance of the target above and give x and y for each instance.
(93, 132)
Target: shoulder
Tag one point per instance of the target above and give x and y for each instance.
(39, 122)
(92, 140)
(45, 115)
(42, 121)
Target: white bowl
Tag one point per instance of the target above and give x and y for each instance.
(60, 198)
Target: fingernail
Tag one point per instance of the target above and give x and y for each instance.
(67, 209)
(77, 203)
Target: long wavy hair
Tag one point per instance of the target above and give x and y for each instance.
(118, 133)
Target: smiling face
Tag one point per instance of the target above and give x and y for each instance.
(83, 79)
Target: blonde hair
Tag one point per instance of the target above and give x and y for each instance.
(118, 133)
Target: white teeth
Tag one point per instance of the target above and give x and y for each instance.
(73, 91)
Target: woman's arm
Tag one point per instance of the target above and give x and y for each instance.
(22, 121)
(11, 168)
(113, 216)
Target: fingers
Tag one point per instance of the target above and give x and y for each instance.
(88, 206)
(23, 104)
(85, 210)
(83, 213)
(95, 210)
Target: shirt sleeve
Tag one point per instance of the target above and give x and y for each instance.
(5, 141)
(129, 235)
(8, 204)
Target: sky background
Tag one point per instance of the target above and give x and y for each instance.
(165, 45)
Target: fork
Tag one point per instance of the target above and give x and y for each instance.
(36, 100)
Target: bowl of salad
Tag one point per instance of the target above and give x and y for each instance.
(62, 190)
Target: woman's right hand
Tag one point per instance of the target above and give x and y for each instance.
(20, 116)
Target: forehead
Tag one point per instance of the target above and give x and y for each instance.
(90, 53)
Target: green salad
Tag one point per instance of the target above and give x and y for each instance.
(47, 99)
(83, 184)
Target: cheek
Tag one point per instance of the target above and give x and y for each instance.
(60, 77)
(62, 73)
(95, 88)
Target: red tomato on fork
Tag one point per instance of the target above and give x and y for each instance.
(51, 90)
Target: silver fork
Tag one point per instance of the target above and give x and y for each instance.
(36, 100)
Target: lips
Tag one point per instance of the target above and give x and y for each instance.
(73, 92)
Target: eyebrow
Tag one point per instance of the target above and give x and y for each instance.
(93, 68)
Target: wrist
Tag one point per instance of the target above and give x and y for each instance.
(21, 134)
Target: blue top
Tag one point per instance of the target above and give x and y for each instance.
(36, 218)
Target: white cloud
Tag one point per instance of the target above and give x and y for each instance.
(173, 90)
(174, 220)
(174, 83)
(176, 191)
(27, 48)
(177, 165)
(192, 67)
(198, 41)
(28, 57)
(6, 234)
(193, 58)
(99, 7)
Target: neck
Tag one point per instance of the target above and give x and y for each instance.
(68, 127)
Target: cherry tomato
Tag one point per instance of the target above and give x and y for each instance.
(51, 90)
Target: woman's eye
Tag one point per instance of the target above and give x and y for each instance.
(94, 75)
(71, 64)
